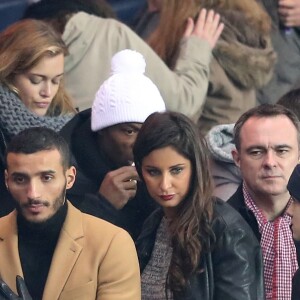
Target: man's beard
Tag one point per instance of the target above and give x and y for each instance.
(57, 203)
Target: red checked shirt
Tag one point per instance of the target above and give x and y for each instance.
(279, 251)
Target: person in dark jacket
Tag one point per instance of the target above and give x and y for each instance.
(101, 139)
(194, 246)
(285, 36)
(294, 211)
(267, 151)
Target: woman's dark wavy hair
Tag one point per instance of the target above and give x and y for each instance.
(190, 230)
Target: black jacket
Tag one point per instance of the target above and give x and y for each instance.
(237, 201)
(286, 75)
(233, 270)
(7, 203)
(92, 165)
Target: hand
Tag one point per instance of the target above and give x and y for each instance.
(207, 27)
(6, 293)
(289, 12)
(119, 186)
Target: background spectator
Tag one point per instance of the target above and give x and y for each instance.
(285, 37)
(92, 41)
(243, 58)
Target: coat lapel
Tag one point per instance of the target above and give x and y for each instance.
(65, 255)
(10, 264)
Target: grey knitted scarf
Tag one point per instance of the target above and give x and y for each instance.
(15, 117)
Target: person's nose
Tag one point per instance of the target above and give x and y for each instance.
(270, 159)
(33, 190)
(165, 183)
(46, 89)
(132, 141)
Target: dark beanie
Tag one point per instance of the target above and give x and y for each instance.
(294, 183)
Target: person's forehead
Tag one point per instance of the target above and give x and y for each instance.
(46, 159)
(278, 129)
(48, 62)
(255, 121)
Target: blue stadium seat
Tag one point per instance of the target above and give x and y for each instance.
(11, 11)
(127, 10)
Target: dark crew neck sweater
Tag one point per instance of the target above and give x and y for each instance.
(36, 243)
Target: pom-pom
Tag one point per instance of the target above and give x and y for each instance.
(128, 61)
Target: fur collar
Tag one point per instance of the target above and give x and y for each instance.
(246, 55)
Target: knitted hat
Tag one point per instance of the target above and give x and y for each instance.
(294, 183)
(128, 95)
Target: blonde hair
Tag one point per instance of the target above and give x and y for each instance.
(22, 46)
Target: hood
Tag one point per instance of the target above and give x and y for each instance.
(83, 143)
(220, 142)
(78, 35)
(246, 55)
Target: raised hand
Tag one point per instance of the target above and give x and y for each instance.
(207, 27)
(119, 186)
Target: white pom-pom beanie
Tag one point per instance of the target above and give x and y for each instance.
(128, 95)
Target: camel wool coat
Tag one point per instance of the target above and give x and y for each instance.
(93, 259)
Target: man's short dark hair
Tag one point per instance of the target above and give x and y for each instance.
(264, 111)
(37, 139)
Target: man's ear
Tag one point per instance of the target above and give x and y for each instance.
(6, 178)
(70, 175)
(236, 157)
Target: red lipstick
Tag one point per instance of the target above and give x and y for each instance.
(167, 197)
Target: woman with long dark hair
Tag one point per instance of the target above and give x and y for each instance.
(194, 246)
